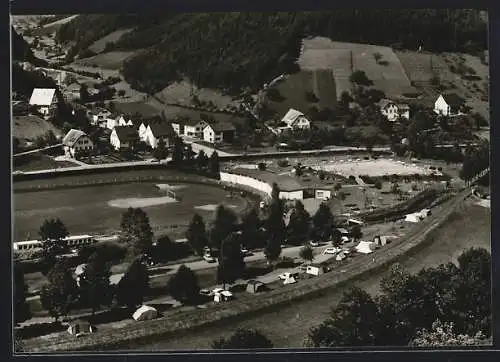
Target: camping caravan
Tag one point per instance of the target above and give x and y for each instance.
(365, 247)
(340, 256)
(415, 217)
(315, 269)
(290, 280)
(145, 313)
(254, 286)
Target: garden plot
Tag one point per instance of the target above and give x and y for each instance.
(373, 168)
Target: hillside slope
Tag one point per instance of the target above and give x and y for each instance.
(233, 51)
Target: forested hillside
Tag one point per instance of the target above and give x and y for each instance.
(21, 50)
(232, 51)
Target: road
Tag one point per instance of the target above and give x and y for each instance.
(37, 150)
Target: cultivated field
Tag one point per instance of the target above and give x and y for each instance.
(99, 45)
(38, 162)
(286, 328)
(88, 209)
(344, 58)
(295, 87)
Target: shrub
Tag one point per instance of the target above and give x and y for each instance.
(321, 175)
(283, 163)
(378, 184)
(261, 166)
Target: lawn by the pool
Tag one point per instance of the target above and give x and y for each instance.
(87, 209)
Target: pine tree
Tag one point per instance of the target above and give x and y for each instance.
(322, 223)
(214, 165)
(178, 151)
(299, 224)
(134, 285)
(250, 230)
(222, 226)
(196, 234)
(231, 260)
(202, 161)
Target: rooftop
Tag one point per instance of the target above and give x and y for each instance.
(72, 136)
(42, 96)
(126, 133)
(162, 129)
(453, 99)
(222, 126)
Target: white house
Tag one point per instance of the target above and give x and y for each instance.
(45, 100)
(77, 143)
(189, 127)
(296, 120)
(219, 132)
(124, 137)
(393, 111)
(143, 126)
(156, 131)
(449, 105)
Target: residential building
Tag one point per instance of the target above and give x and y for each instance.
(118, 121)
(219, 132)
(156, 131)
(393, 111)
(72, 91)
(45, 101)
(189, 127)
(449, 105)
(124, 138)
(77, 143)
(143, 126)
(296, 120)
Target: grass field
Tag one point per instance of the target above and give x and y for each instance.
(111, 60)
(140, 107)
(287, 328)
(31, 127)
(295, 87)
(99, 45)
(86, 209)
(41, 162)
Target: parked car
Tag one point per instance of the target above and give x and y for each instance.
(206, 292)
(313, 243)
(332, 250)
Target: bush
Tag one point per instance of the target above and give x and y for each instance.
(283, 163)
(378, 185)
(261, 166)
(321, 175)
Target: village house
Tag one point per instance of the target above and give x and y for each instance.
(296, 120)
(45, 101)
(77, 143)
(143, 126)
(393, 111)
(219, 132)
(118, 121)
(449, 105)
(124, 138)
(189, 127)
(157, 131)
(72, 91)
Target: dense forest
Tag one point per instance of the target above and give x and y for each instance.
(22, 52)
(233, 51)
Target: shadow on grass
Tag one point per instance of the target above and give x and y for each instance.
(39, 329)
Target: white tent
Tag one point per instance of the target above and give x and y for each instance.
(289, 280)
(365, 247)
(80, 269)
(415, 217)
(145, 313)
(340, 256)
(223, 296)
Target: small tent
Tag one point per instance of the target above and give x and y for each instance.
(290, 280)
(365, 247)
(145, 313)
(80, 269)
(80, 326)
(340, 256)
(223, 296)
(254, 286)
(415, 217)
(315, 269)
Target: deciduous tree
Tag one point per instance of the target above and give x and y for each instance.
(322, 223)
(223, 225)
(134, 285)
(196, 234)
(183, 285)
(299, 223)
(94, 285)
(231, 262)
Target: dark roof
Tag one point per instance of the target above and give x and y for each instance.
(126, 133)
(163, 129)
(453, 99)
(222, 126)
(188, 121)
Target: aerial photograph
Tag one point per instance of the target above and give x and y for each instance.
(250, 180)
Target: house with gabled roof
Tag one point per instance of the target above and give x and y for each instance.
(394, 110)
(450, 104)
(296, 120)
(189, 127)
(159, 130)
(124, 138)
(144, 123)
(219, 132)
(45, 101)
(77, 143)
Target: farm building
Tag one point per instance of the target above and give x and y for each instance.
(124, 138)
(77, 143)
(80, 326)
(145, 313)
(449, 105)
(189, 127)
(219, 132)
(45, 101)
(156, 131)
(254, 286)
(393, 111)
